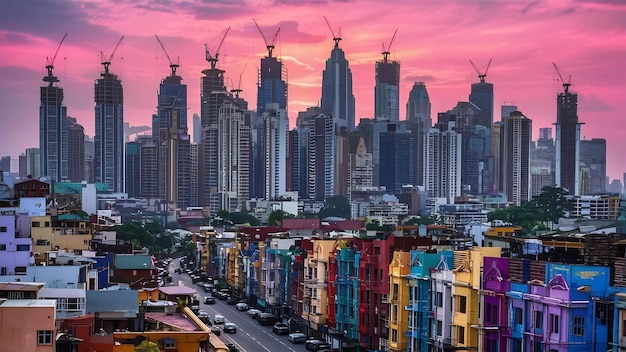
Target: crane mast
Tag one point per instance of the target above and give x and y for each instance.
(50, 78)
(107, 62)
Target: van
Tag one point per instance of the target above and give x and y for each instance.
(218, 319)
(297, 337)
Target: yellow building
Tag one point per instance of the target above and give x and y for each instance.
(180, 332)
(66, 233)
(399, 298)
(466, 298)
(315, 284)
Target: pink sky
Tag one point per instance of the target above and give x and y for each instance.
(435, 41)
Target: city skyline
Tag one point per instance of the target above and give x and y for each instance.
(522, 71)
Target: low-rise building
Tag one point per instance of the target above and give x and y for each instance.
(27, 325)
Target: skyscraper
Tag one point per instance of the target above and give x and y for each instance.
(442, 160)
(173, 141)
(567, 141)
(593, 156)
(75, 151)
(397, 157)
(418, 114)
(133, 170)
(109, 125)
(481, 96)
(387, 89)
(272, 89)
(321, 157)
(52, 128)
(337, 96)
(213, 95)
(515, 141)
(275, 131)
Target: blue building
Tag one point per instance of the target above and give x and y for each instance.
(397, 158)
(347, 289)
(419, 308)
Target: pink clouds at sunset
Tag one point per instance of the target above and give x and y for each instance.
(434, 43)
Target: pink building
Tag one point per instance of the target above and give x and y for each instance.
(27, 325)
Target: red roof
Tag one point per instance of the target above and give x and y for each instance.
(301, 224)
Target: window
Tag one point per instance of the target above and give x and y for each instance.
(44, 337)
(578, 326)
(3, 229)
(169, 344)
(46, 224)
(3, 270)
(554, 323)
(517, 345)
(15, 295)
(462, 304)
(461, 337)
(23, 247)
(439, 328)
(518, 315)
(3, 247)
(36, 224)
(538, 319)
(438, 299)
(494, 314)
(491, 345)
(394, 335)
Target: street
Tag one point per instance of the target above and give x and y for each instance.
(250, 336)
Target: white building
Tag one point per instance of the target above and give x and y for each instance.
(276, 130)
(442, 163)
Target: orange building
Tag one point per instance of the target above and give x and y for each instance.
(27, 325)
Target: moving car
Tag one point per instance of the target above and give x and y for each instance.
(280, 329)
(297, 337)
(267, 319)
(209, 300)
(204, 316)
(216, 330)
(231, 300)
(316, 345)
(242, 306)
(230, 328)
(218, 319)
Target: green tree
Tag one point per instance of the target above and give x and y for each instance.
(147, 346)
(335, 206)
(422, 220)
(244, 218)
(277, 216)
(551, 203)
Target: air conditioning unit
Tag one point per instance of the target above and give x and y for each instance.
(375, 330)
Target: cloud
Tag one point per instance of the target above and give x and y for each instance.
(307, 2)
(419, 78)
(593, 103)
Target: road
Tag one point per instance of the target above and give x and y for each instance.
(250, 336)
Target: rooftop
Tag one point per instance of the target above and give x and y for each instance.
(177, 290)
(28, 303)
(133, 261)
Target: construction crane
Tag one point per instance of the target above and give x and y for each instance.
(268, 45)
(107, 62)
(50, 64)
(566, 84)
(481, 76)
(386, 51)
(213, 59)
(336, 38)
(238, 89)
(173, 66)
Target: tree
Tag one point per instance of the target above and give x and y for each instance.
(422, 220)
(335, 206)
(551, 204)
(147, 346)
(244, 218)
(277, 216)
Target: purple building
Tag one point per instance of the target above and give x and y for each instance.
(14, 247)
(495, 308)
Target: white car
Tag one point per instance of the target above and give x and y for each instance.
(242, 307)
(218, 319)
(253, 313)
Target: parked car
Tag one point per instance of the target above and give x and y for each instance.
(316, 345)
(280, 329)
(216, 330)
(230, 328)
(267, 319)
(253, 313)
(297, 337)
(218, 319)
(242, 307)
(232, 347)
(209, 300)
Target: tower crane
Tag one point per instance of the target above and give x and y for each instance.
(336, 38)
(173, 66)
(386, 51)
(268, 45)
(107, 62)
(50, 64)
(481, 76)
(238, 90)
(566, 84)
(213, 59)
